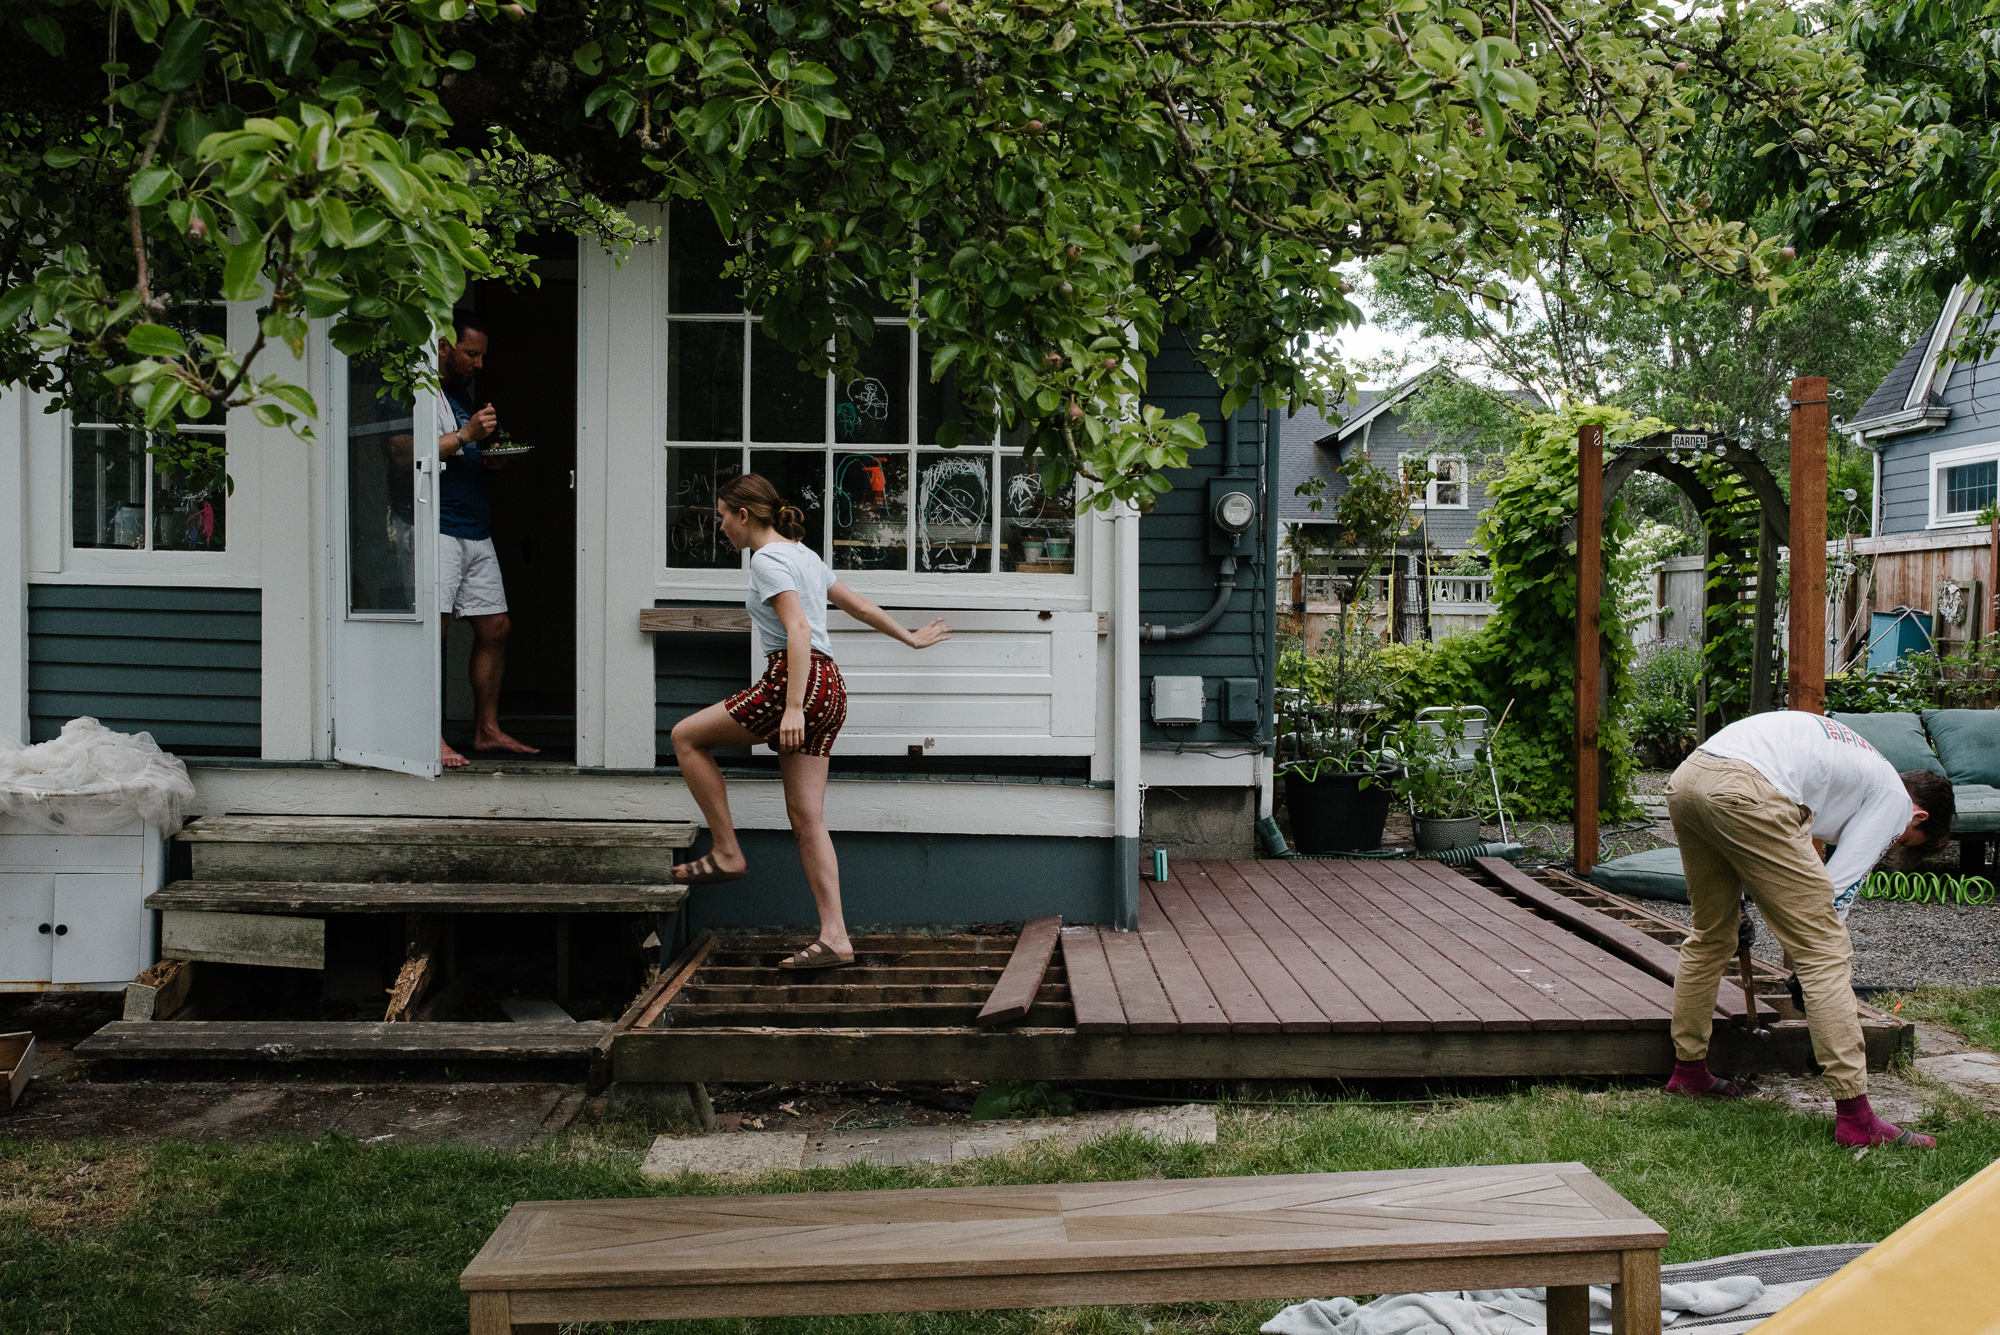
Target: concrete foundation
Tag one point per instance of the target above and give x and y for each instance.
(1194, 822)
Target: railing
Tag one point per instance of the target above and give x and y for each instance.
(1326, 589)
(1461, 589)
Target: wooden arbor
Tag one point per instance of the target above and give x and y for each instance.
(1803, 528)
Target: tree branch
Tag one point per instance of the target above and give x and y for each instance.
(149, 305)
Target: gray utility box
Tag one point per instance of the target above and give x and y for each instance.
(1177, 700)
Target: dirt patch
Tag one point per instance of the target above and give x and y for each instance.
(818, 1109)
(61, 1192)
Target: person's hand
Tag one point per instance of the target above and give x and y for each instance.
(792, 730)
(480, 425)
(925, 636)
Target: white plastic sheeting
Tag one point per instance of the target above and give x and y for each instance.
(92, 780)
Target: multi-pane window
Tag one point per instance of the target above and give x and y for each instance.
(1970, 488)
(120, 496)
(856, 453)
(1443, 477)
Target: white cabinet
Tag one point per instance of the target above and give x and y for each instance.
(73, 915)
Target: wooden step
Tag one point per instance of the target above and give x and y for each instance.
(786, 1015)
(858, 972)
(342, 849)
(430, 897)
(829, 993)
(335, 1040)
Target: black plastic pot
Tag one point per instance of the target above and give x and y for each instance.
(1334, 813)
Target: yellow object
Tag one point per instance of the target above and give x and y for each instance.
(1935, 1275)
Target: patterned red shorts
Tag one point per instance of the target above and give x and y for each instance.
(760, 707)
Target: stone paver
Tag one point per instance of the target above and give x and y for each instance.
(1973, 1074)
(742, 1153)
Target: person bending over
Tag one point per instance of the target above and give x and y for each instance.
(1746, 807)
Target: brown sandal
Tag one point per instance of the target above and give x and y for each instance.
(818, 955)
(704, 871)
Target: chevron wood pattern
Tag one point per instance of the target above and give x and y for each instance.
(979, 1247)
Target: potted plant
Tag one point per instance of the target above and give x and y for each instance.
(1444, 786)
(1337, 786)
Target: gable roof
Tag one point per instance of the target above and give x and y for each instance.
(1908, 399)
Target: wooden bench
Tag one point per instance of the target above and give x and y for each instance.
(970, 1248)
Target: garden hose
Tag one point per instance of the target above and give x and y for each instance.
(1929, 887)
(1450, 857)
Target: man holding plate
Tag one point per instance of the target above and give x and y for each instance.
(469, 584)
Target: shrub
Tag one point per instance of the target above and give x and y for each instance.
(1661, 716)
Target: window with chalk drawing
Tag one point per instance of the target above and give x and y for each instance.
(857, 454)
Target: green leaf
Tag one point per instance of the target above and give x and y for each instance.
(589, 58)
(15, 304)
(48, 34)
(393, 182)
(242, 270)
(294, 395)
(407, 45)
(153, 185)
(337, 221)
(155, 340)
(61, 156)
(183, 55)
(270, 414)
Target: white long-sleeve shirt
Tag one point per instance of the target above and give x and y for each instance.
(1857, 800)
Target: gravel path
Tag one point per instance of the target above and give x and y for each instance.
(1901, 945)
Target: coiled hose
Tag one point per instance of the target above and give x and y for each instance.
(1921, 887)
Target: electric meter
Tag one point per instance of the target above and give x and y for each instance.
(1235, 512)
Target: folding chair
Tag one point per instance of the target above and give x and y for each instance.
(1465, 752)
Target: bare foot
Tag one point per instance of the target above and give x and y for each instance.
(500, 741)
(451, 758)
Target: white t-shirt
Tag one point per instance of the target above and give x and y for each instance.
(776, 567)
(1857, 800)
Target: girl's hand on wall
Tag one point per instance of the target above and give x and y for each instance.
(925, 636)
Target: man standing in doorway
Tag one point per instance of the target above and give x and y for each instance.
(469, 583)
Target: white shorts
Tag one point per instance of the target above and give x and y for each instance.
(469, 577)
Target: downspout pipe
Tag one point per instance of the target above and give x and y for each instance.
(1225, 585)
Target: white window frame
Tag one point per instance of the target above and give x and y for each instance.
(1940, 463)
(237, 564)
(1429, 501)
(991, 588)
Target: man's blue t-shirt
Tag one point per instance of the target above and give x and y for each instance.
(464, 508)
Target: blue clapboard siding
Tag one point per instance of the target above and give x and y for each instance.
(185, 665)
(1177, 574)
(691, 671)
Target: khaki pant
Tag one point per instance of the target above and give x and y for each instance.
(1735, 829)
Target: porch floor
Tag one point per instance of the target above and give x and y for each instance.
(1255, 969)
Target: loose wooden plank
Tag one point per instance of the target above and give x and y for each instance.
(330, 1040)
(1195, 1007)
(842, 1015)
(1015, 991)
(1140, 994)
(655, 1000)
(731, 620)
(854, 975)
(1344, 1011)
(17, 1066)
(1294, 1007)
(1048, 994)
(1362, 889)
(295, 897)
(667, 834)
(160, 990)
(1639, 997)
(1395, 1012)
(1628, 943)
(1091, 988)
(1546, 996)
(421, 968)
(244, 938)
(1446, 1013)
(1231, 987)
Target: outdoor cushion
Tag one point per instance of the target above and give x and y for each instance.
(1899, 737)
(1655, 874)
(1967, 741)
(1978, 809)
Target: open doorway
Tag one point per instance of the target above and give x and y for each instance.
(530, 379)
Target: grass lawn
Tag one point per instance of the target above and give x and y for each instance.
(336, 1236)
(1973, 1011)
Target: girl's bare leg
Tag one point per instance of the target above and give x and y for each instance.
(695, 739)
(805, 805)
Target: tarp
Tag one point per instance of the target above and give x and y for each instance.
(91, 780)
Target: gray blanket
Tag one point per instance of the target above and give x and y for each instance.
(1494, 1311)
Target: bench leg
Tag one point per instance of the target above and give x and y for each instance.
(1569, 1309)
(491, 1316)
(1635, 1299)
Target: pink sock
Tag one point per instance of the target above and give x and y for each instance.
(1855, 1123)
(1695, 1078)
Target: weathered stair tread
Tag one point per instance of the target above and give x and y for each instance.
(337, 1040)
(432, 897)
(418, 830)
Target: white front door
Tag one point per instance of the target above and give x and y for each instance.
(385, 638)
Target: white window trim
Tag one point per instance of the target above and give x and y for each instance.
(236, 565)
(1944, 459)
(1429, 500)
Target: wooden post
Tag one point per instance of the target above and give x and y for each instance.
(1805, 673)
(1589, 582)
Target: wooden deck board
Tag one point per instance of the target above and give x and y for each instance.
(1345, 1012)
(1091, 988)
(1140, 993)
(1281, 992)
(1225, 978)
(1395, 1012)
(1187, 992)
(1021, 982)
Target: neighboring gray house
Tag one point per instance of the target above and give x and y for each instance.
(1934, 428)
(1311, 445)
